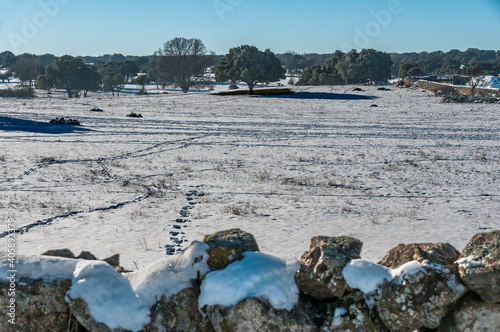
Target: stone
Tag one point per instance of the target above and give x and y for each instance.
(351, 313)
(59, 253)
(443, 254)
(179, 312)
(40, 306)
(471, 314)
(258, 315)
(417, 299)
(228, 246)
(479, 265)
(80, 310)
(320, 273)
(114, 260)
(87, 255)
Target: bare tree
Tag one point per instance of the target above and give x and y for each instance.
(183, 62)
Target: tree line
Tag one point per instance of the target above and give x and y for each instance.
(181, 62)
(453, 62)
(367, 66)
(184, 63)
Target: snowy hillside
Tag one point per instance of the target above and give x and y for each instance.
(324, 161)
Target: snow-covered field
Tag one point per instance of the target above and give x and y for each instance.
(321, 162)
(487, 81)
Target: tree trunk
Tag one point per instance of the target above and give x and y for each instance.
(70, 93)
(250, 87)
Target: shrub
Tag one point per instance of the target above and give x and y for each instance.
(22, 92)
(482, 99)
(261, 92)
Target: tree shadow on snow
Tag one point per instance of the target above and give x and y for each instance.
(30, 126)
(323, 95)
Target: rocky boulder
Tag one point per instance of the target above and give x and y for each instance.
(40, 306)
(471, 314)
(226, 247)
(114, 261)
(257, 315)
(87, 255)
(443, 254)
(479, 265)
(351, 313)
(66, 253)
(320, 273)
(418, 298)
(179, 312)
(81, 312)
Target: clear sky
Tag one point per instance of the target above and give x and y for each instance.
(92, 27)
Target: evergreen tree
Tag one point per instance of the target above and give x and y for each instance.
(114, 83)
(142, 80)
(72, 75)
(27, 68)
(404, 69)
(249, 65)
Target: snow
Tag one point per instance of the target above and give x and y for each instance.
(470, 262)
(257, 275)
(413, 267)
(487, 81)
(320, 163)
(171, 274)
(118, 300)
(125, 300)
(109, 296)
(337, 318)
(38, 267)
(340, 312)
(367, 276)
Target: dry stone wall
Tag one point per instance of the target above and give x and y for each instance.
(447, 88)
(449, 291)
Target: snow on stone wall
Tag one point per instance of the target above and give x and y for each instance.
(419, 286)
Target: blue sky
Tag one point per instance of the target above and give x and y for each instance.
(94, 27)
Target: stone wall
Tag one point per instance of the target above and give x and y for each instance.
(447, 88)
(434, 288)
